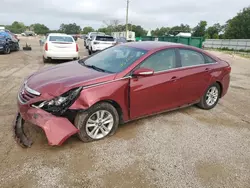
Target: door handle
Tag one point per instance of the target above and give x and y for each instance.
(207, 69)
(174, 78)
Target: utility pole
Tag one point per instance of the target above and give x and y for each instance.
(127, 20)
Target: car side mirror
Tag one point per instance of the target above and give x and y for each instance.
(143, 72)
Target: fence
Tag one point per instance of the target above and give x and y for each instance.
(232, 44)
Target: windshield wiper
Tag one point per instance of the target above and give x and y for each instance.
(96, 68)
(82, 62)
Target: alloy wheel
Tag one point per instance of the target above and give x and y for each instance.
(212, 96)
(99, 124)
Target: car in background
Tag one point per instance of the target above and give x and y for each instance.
(117, 85)
(60, 46)
(90, 37)
(100, 42)
(120, 40)
(8, 43)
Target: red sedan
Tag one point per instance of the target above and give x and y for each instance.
(92, 96)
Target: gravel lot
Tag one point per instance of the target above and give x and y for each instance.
(184, 148)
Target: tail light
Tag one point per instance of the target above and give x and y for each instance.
(46, 46)
(77, 49)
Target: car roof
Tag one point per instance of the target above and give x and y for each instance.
(152, 45)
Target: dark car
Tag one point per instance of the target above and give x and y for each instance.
(92, 96)
(8, 43)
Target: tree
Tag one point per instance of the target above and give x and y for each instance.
(200, 29)
(16, 27)
(86, 30)
(239, 26)
(139, 31)
(212, 32)
(70, 28)
(160, 32)
(181, 28)
(40, 28)
(103, 30)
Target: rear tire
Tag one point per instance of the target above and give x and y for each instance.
(88, 120)
(211, 97)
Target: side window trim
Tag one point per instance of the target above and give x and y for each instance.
(205, 57)
(201, 53)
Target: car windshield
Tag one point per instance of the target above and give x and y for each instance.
(121, 40)
(115, 59)
(104, 38)
(61, 39)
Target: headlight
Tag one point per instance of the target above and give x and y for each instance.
(59, 105)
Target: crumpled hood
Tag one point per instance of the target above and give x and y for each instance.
(58, 79)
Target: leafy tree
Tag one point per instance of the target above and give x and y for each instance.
(139, 31)
(16, 27)
(160, 32)
(200, 29)
(181, 28)
(86, 30)
(239, 26)
(103, 30)
(212, 32)
(70, 28)
(39, 28)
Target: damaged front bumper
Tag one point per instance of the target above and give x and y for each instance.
(57, 129)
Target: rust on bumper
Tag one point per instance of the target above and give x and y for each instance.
(57, 129)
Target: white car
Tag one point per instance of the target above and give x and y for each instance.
(90, 37)
(60, 46)
(100, 42)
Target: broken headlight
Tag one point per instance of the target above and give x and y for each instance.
(60, 104)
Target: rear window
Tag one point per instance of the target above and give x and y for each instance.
(61, 39)
(104, 38)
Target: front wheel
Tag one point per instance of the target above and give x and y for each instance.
(98, 122)
(211, 97)
(7, 50)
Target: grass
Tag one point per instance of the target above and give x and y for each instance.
(245, 54)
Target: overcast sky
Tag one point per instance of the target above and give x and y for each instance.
(149, 14)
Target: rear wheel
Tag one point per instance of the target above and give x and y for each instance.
(211, 97)
(98, 122)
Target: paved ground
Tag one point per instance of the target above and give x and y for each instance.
(185, 148)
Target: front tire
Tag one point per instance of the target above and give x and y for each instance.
(17, 47)
(7, 50)
(211, 97)
(98, 122)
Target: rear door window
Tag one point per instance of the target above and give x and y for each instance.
(191, 58)
(61, 39)
(104, 38)
(209, 60)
